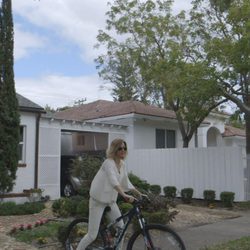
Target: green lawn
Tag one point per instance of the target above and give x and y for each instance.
(41, 234)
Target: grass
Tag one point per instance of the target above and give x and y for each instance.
(41, 234)
(239, 244)
(243, 205)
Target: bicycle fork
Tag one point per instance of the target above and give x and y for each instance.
(147, 239)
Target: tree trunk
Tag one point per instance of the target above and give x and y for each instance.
(185, 142)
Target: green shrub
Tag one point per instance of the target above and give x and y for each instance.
(83, 208)
(140, 184)
(7, 208)
(209, 196)
(170, 192)
(187, 195)
(75, 205)
(157, 217)
(62, 232)
(155, 189)
(64, 207)
(125, 207)
(11, 208)
(85, 168)
(227, 198)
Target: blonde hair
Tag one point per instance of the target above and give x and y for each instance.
(114, 146)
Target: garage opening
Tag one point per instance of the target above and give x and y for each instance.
(75, 144)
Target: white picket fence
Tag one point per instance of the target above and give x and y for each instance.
(219, 168)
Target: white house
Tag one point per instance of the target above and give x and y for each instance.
(215, 158)
(49, 139)
(27, 172)
(152, 127)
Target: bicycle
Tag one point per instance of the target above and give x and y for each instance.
(149, 236)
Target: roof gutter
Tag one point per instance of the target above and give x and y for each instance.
(38, 117)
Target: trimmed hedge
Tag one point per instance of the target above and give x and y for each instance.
(187, 195)
(155, 189)
(170, 192)
(11, 208)
(209, 196)
(227, 198)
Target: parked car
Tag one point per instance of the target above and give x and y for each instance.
(71, 185)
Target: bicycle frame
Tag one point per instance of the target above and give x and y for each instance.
(135, 211)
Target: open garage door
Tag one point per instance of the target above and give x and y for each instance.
(50, 161)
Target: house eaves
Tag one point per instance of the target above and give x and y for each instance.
(75, 123)
(28, 106)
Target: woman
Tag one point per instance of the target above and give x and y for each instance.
(111, 179)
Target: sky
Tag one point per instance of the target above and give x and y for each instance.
(54, 50)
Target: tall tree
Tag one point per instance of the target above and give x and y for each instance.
(223, 28)
(160, 49)
(9, 116)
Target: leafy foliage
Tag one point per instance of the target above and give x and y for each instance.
(170, 192)
(75, 205)
(11, 208)
(9, 116)
(85, 168)
(155, 54)
(155, 189)
(140, 184)
(221, 28)
(227, 198)
(209, 196)
(187, 194)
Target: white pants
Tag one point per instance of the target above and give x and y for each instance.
(95, 214)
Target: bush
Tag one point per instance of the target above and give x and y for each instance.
(140, 184)
(62, 232)
(227, 198)
(187, 195)
(11, 208)
(160, 217)
(170, 192)
(85, 168)
(209, 196)
(155, 189)
(75, 205)
(125, 207)
(83, 208)
(64, 207)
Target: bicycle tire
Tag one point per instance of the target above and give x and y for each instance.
(161, 236)
(76, 231)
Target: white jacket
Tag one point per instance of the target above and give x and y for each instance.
(108, 176)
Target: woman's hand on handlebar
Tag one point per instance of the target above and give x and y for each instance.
(129, 198)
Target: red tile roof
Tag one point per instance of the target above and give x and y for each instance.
(102, 108)
(232, 131)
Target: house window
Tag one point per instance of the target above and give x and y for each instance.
(165, 138)
(21, 149)
(80, 140)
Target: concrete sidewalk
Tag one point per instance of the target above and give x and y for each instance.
(196, 238)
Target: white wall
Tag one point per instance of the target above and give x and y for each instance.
(144, 133)
(25, 175)
(219, 169)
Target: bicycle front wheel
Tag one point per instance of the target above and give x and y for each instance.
(76, 230)
(158, 237)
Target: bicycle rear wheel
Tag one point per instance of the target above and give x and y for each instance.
(160, 237)
(76, 231)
